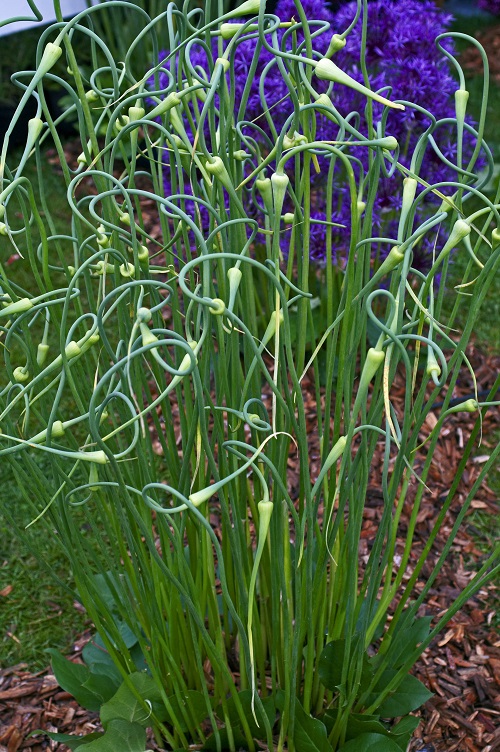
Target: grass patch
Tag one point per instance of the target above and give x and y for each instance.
(36, 611)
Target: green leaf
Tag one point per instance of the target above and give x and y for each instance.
(102, 686)
(310, 734)
(358, 724)
(402, 732)
(195, 706)
(406, 639)
(125, 703)
(408, 696)
(120, 736)
(371, 743)
(331, 663)
(70, 740)
(122, 629)
(245, 698)
(239, 741)
(110, 587)
(99, 661)
(72, 677)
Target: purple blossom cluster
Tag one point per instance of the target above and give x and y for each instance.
(402, 59)
(492, 6)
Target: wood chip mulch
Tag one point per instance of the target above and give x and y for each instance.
(471, 58)
(31, 701)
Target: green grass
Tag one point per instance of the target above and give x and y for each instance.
(38, 612)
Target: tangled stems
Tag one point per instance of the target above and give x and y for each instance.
(162, 353)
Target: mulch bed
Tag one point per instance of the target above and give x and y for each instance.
(471, 58)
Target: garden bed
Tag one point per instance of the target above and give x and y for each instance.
(462, 667)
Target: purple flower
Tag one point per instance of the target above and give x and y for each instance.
(402, 59)
(401, 55)
(491, 6)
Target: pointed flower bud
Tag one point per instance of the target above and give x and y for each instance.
(224, 62)
(136, 113)
(229, 30)
(56, 432)
(21, 374)
(51, 55)
(433, 368)
(171, 100)
(144, 314)
(19, 306)
(102, 239)
(127, 270)
(459, 231)
(234, 276)
(374, 359)
(72, 350)
(409, 191)
(248, 8)
(279, 183)
(41, 353)
(35, 126)
(324, 100)
(218, 307)
(147, 335)
(336, 44)
(461, 99)
(327, 70)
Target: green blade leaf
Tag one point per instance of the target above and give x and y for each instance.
(195, 706)
(406, 639)
(409, 695)
(128, 701)
(99, 661)
(371, 743)
(120, 735)
(70, 740)
(331, 664)
(245, 698)
(238, 738)
(402, 732)
(358, 724)
(310, 734)
(72, 678)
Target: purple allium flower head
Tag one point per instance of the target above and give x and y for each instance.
(402, 60)
(401, 54)
(491, 6)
